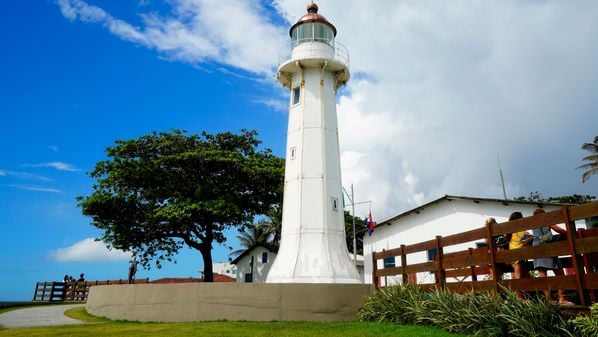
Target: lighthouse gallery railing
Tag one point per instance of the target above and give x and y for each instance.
(341, 53)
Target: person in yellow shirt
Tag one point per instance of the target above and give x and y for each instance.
(518, 240)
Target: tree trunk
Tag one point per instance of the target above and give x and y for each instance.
(206, 254)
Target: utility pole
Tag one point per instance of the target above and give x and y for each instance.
(351, 199)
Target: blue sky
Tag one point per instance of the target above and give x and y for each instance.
(67, 91)
(438, 90)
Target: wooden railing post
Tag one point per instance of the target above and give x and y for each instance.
(53, 287)
(375, 270)
(492, 252)
(575, 257)
(35, 293)
(441, 272)
(474, 276)
(44, 292)
(404, 275)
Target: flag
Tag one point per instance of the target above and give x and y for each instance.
(369, 224)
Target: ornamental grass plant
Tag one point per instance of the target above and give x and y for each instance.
(479, 314)
(587, 326)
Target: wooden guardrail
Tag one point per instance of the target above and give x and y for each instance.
(580, 250)
(72, 291)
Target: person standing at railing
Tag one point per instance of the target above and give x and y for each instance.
(516, 241)
(501, 243)
(544, 235)
(80, 288)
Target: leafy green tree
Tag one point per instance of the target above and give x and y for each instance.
(163, 191)
(359, 232)
(591, 165)
(565, 199)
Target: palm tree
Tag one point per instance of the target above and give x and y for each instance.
(591, 165)
(273, 225)
(264, 233)
(251, 235)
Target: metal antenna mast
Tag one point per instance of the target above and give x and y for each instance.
(502, 179)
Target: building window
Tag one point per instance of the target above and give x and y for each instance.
(296, 95)
(334, 204)
(293, 152)
(248, 278)
(264, 257)
(432, 253)
(389, 262)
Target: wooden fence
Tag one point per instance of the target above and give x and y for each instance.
(71, 291)
(580, 251)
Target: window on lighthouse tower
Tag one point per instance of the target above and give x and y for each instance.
(296, 95)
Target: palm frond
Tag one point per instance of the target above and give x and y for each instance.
(591, 162)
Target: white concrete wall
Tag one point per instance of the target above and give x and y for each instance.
(260, 268)
(193, 302)
(444, 218)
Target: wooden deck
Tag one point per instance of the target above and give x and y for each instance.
(471, 269)
(71, 291)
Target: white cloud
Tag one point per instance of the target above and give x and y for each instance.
(35, 188)
(53, 148)
(56, 165)
(88, 250)
(234, 33)
(23, 175)
(441, 87)
(449, 85)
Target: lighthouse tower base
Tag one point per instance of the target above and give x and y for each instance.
(313, 258)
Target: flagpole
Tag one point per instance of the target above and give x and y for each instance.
(352, 200)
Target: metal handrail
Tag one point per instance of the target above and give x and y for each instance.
(341, 53)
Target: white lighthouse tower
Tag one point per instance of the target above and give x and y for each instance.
(313, 247)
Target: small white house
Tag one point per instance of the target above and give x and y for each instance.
(253, 264)
(225, 268)
(444, 216)
(359, 265)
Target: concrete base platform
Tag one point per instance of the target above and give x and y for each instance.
(189, 302)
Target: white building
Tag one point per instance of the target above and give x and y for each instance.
(359, 265)
(225, 268)
(253, 264)
(444, 216)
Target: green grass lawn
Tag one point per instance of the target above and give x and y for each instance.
(236, 329)
(101, 327)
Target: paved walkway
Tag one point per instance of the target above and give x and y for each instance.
(39, 316)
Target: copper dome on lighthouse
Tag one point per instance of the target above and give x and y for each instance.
(312, 16)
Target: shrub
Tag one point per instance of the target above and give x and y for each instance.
(400, 304)
(463, 313)
(587, 326)
(535, 316)
(480, 314)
